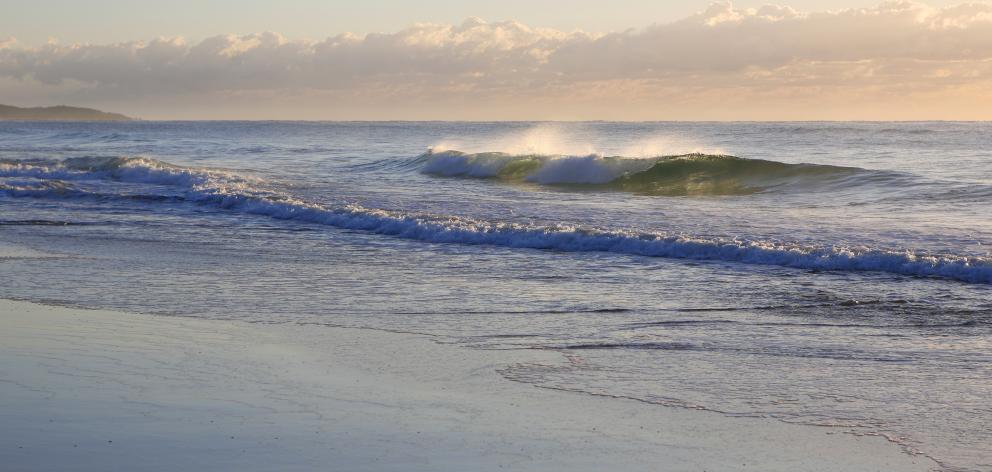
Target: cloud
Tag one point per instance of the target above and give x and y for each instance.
(474, 51)
(722, 39)
(738, 58)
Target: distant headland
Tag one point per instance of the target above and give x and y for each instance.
(58, 113)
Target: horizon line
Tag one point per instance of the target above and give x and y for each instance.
(289, 120)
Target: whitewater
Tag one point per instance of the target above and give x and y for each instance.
(831, 274)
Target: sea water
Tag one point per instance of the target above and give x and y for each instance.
(833, 274)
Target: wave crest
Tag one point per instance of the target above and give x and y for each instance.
(682, 175)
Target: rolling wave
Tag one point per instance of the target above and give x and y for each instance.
(123, 169)
(682, 175)
(236, 192)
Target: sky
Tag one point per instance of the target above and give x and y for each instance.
(33, 22)
(513, 59)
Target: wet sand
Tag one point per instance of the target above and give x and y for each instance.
(90, 390)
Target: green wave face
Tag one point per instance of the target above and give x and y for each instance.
(694, 175)
(519, 169)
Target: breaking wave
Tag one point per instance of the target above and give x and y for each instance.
(236, 192)
(682, 175)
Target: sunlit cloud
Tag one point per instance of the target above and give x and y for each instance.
(898, 59)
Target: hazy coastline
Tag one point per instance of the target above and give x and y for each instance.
(58, 113)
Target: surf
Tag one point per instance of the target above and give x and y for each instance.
(233, 191)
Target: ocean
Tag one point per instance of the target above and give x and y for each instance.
(835, 274)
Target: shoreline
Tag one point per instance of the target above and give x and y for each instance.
(95, 390)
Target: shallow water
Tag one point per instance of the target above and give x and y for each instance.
(823, 273)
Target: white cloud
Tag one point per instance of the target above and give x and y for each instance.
(896, 49)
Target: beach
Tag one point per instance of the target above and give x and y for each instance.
(102, 390)
(789, 296)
